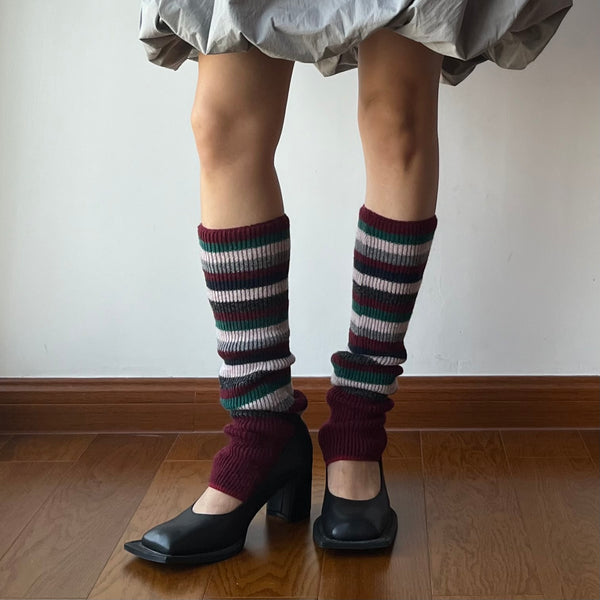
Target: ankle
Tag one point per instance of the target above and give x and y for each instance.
(214, 501)
(354, 479)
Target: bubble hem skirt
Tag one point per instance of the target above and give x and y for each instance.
(326, 33)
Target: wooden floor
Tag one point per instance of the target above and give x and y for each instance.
(482, 514)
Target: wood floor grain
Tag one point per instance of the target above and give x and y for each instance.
(4, 439)
(25, 488)
(592, 442)
(47, 447)
(279, 558)
(63, 548)
(477, 538)
(483, 515)
(557, 488)
(177, 484)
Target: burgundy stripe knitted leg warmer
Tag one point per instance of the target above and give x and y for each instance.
(389, 260)
(246, 273)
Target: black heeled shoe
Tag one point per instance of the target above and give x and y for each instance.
(356, 524)
(191, 538)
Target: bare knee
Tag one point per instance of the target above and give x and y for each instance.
(395, 127)
(225, 136)
(398, 96)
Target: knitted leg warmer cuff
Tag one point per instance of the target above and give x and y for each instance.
(246, 273)
(389, 261)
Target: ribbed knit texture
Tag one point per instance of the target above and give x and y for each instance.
(246, 274)
(389, 261)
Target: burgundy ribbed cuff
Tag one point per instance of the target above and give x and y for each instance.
(243, 233)
(255, 444)
(355, 429)
(387, 225)
(256, 440)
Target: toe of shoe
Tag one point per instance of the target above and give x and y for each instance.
(158, 540)
(357, 529)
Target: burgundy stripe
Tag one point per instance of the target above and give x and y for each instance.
(239, 277)
(381, 348)
(397, 227)
(243, 233)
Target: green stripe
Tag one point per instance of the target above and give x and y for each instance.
(396, 238)
(381, 315)
(254, 323)
(363, 376)
(255, 394)
(261, 240)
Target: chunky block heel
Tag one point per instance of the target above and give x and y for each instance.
(292, 501)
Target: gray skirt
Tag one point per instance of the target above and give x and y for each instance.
(326, 33)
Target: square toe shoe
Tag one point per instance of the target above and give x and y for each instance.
(192, 538)
(356, 524)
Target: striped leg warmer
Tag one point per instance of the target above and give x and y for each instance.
(246, 274)
(389, 260)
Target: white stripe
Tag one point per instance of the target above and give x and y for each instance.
(247, 368)
(393, 287)
(392, 247)
(242, 294)
(244, 253)
(382, 389)
(273, 401)
(378, 326)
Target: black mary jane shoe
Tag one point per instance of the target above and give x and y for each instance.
(356, 524)
(191, 538)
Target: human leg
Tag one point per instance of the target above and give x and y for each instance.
(237, 117)
(397, 117)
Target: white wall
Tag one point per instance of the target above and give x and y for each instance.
(99, 184)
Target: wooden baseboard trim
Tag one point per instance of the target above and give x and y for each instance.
(153, 405)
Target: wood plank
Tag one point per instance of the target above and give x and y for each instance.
(186, 404)
(403, 444)
(101, 390)
(591, 437)
(4, 439)
(177, 484)
(64, 547)
(279, 559)
(503, 597)
(542, 443)
(80, 418)
(197, 446)
(401, 571)
(483, 414)
(25, 487)
(46, 447)
(204, 390)
(208, 418)
(477, 538)
(189, 417)
(560, 501)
